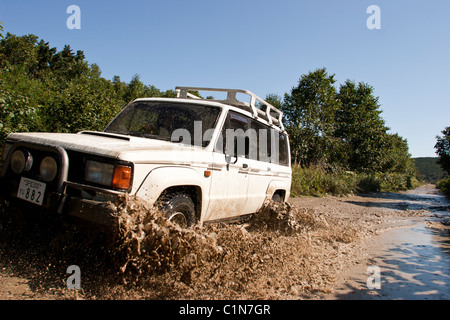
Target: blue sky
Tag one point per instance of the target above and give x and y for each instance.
(265, 46)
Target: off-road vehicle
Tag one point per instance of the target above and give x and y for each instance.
(200, 160)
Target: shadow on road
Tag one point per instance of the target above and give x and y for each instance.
(414, 265)
(425, 198)
(415, 261)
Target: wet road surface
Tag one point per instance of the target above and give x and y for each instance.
(408, 263)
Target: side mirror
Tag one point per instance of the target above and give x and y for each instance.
(239, 149)
(234, 153)
(228, 158)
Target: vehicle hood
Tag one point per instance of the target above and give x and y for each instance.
(105, 144)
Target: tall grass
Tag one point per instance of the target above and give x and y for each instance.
(316, 181)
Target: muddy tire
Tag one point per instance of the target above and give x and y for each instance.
(277, 198)
(178, 208)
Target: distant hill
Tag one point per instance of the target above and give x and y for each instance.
(429, 170)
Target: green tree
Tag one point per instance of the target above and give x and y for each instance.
(45, 55)
(19, 51)
(359, 125)
(274, 100)
(87, 102)
(45, 90)
(442, 147)
(396, 157)
(312, 104)
(16, 112)
(137, 89)
(309, 114)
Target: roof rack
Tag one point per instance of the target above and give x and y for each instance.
(270, 114)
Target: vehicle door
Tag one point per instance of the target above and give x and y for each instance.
(229, 184)
(269, 166)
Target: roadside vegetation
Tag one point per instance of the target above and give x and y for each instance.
(42, 89)
(316, 181)
(443, 151)
(339, 141)
(428, 170)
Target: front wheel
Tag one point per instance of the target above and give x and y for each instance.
(178, 208)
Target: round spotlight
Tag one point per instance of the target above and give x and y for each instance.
(18, 161)
(48, 169)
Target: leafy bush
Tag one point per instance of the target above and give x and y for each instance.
(316, 181)
(16, 113)
(368, 183)
(444, 186)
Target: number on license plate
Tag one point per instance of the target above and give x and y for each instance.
(31, 190)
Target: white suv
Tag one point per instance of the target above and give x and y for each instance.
(200, 160)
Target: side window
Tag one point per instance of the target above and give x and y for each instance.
(234, 138)
(251, 139)
(284, 154)
(279, 148)
(262, 143)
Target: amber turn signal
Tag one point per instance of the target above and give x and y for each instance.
(121, 177)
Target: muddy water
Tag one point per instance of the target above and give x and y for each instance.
(411, 262)
(293, 251)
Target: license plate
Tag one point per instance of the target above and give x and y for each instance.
(31, 190)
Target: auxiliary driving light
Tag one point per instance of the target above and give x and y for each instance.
(48, 169)
(21, 161)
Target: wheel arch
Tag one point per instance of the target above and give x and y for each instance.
(277, 188)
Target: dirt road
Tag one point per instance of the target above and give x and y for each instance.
(316, 248)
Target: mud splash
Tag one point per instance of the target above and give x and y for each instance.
(281, 217)
(282, 252)
(149, 243)
(224, 261)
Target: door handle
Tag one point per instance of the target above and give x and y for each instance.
(244, 166)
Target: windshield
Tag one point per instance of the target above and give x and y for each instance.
(170, 121)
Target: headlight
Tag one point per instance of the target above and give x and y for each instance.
(99, 172)
(21, 161)
(18, 161)
(115, 176)
(48, 169)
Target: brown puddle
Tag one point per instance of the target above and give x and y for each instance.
(282, 252)
(285, 251)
